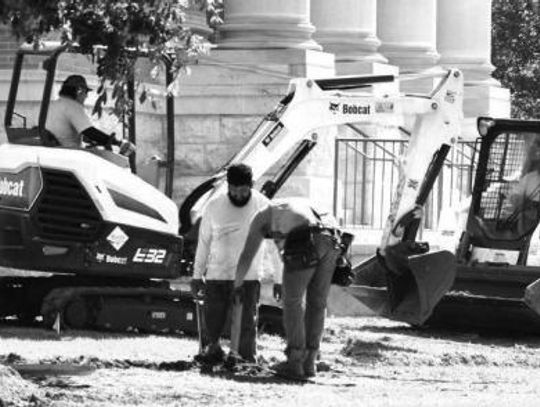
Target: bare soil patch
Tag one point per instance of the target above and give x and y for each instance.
(366, 361)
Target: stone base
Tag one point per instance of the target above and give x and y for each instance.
(491, 101)
(486, 101)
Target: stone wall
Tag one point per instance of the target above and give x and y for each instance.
(8, 46)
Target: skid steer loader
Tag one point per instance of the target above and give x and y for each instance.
(496, 283)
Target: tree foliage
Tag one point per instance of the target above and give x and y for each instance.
(121, 29)
(516, 53)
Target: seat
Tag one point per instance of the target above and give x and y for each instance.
(31, 137)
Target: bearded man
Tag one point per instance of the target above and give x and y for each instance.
(223, 231)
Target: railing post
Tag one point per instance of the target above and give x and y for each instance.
(368, 158)
(336, 169)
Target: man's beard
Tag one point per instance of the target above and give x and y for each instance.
(239, 202)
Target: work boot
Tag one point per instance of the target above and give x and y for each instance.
(233, 359)
(293, 368)
(212, 355)
(310, 367)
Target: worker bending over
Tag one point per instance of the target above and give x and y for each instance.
(310, 246)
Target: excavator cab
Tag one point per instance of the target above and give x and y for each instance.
(27, 128)
(16, 124)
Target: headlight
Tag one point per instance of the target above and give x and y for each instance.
(484, 124)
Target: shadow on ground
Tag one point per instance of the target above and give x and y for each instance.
(502, 339)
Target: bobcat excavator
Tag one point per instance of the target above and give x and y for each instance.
(112, 241)
(108, 239)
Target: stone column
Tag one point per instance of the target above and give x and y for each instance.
(464, 38)
(407, 29)
(263, 24)
(347, 28)
(464, 41)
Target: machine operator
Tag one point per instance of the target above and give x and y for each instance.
(68, 122)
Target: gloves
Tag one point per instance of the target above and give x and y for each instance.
(126, 147)
(198, 288)
(277, 292)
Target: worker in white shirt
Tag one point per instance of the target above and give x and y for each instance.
(224, 227)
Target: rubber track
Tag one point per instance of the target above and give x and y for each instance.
(57, 299)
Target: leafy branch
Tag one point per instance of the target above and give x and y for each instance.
(516, 53)
(114, 33)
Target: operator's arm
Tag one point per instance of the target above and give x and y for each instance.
(83, 126)
(104, 139)
(256, 234)
(97, 136)
(203, 246)
(80, 121)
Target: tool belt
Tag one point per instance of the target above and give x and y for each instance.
(299, 251)
(323, 230)
(343, 274)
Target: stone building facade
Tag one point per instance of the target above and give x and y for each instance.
(263, 43)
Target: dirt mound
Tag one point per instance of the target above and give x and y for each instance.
(367, 351)
(98, 363)
(15, 391)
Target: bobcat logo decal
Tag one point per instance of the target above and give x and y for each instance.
(334, 107)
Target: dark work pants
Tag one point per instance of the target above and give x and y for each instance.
(304, 320)
(217, 309)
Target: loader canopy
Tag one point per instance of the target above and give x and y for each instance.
(505, 207)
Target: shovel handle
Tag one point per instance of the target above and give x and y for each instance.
(198, 310)
(236, 322)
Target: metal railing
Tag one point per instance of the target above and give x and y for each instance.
(366, 175)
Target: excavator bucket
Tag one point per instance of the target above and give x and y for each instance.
(532, 296)
(414, 284)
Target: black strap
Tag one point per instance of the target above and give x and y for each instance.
(320, 227)
(316, 214)
(97, 136)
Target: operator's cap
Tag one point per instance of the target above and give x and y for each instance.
(76, 81)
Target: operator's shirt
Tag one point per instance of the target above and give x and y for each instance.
(66, 120)
(222, 234)
(528, 187)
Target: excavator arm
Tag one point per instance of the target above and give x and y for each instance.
(311, 104)
(415, 280)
